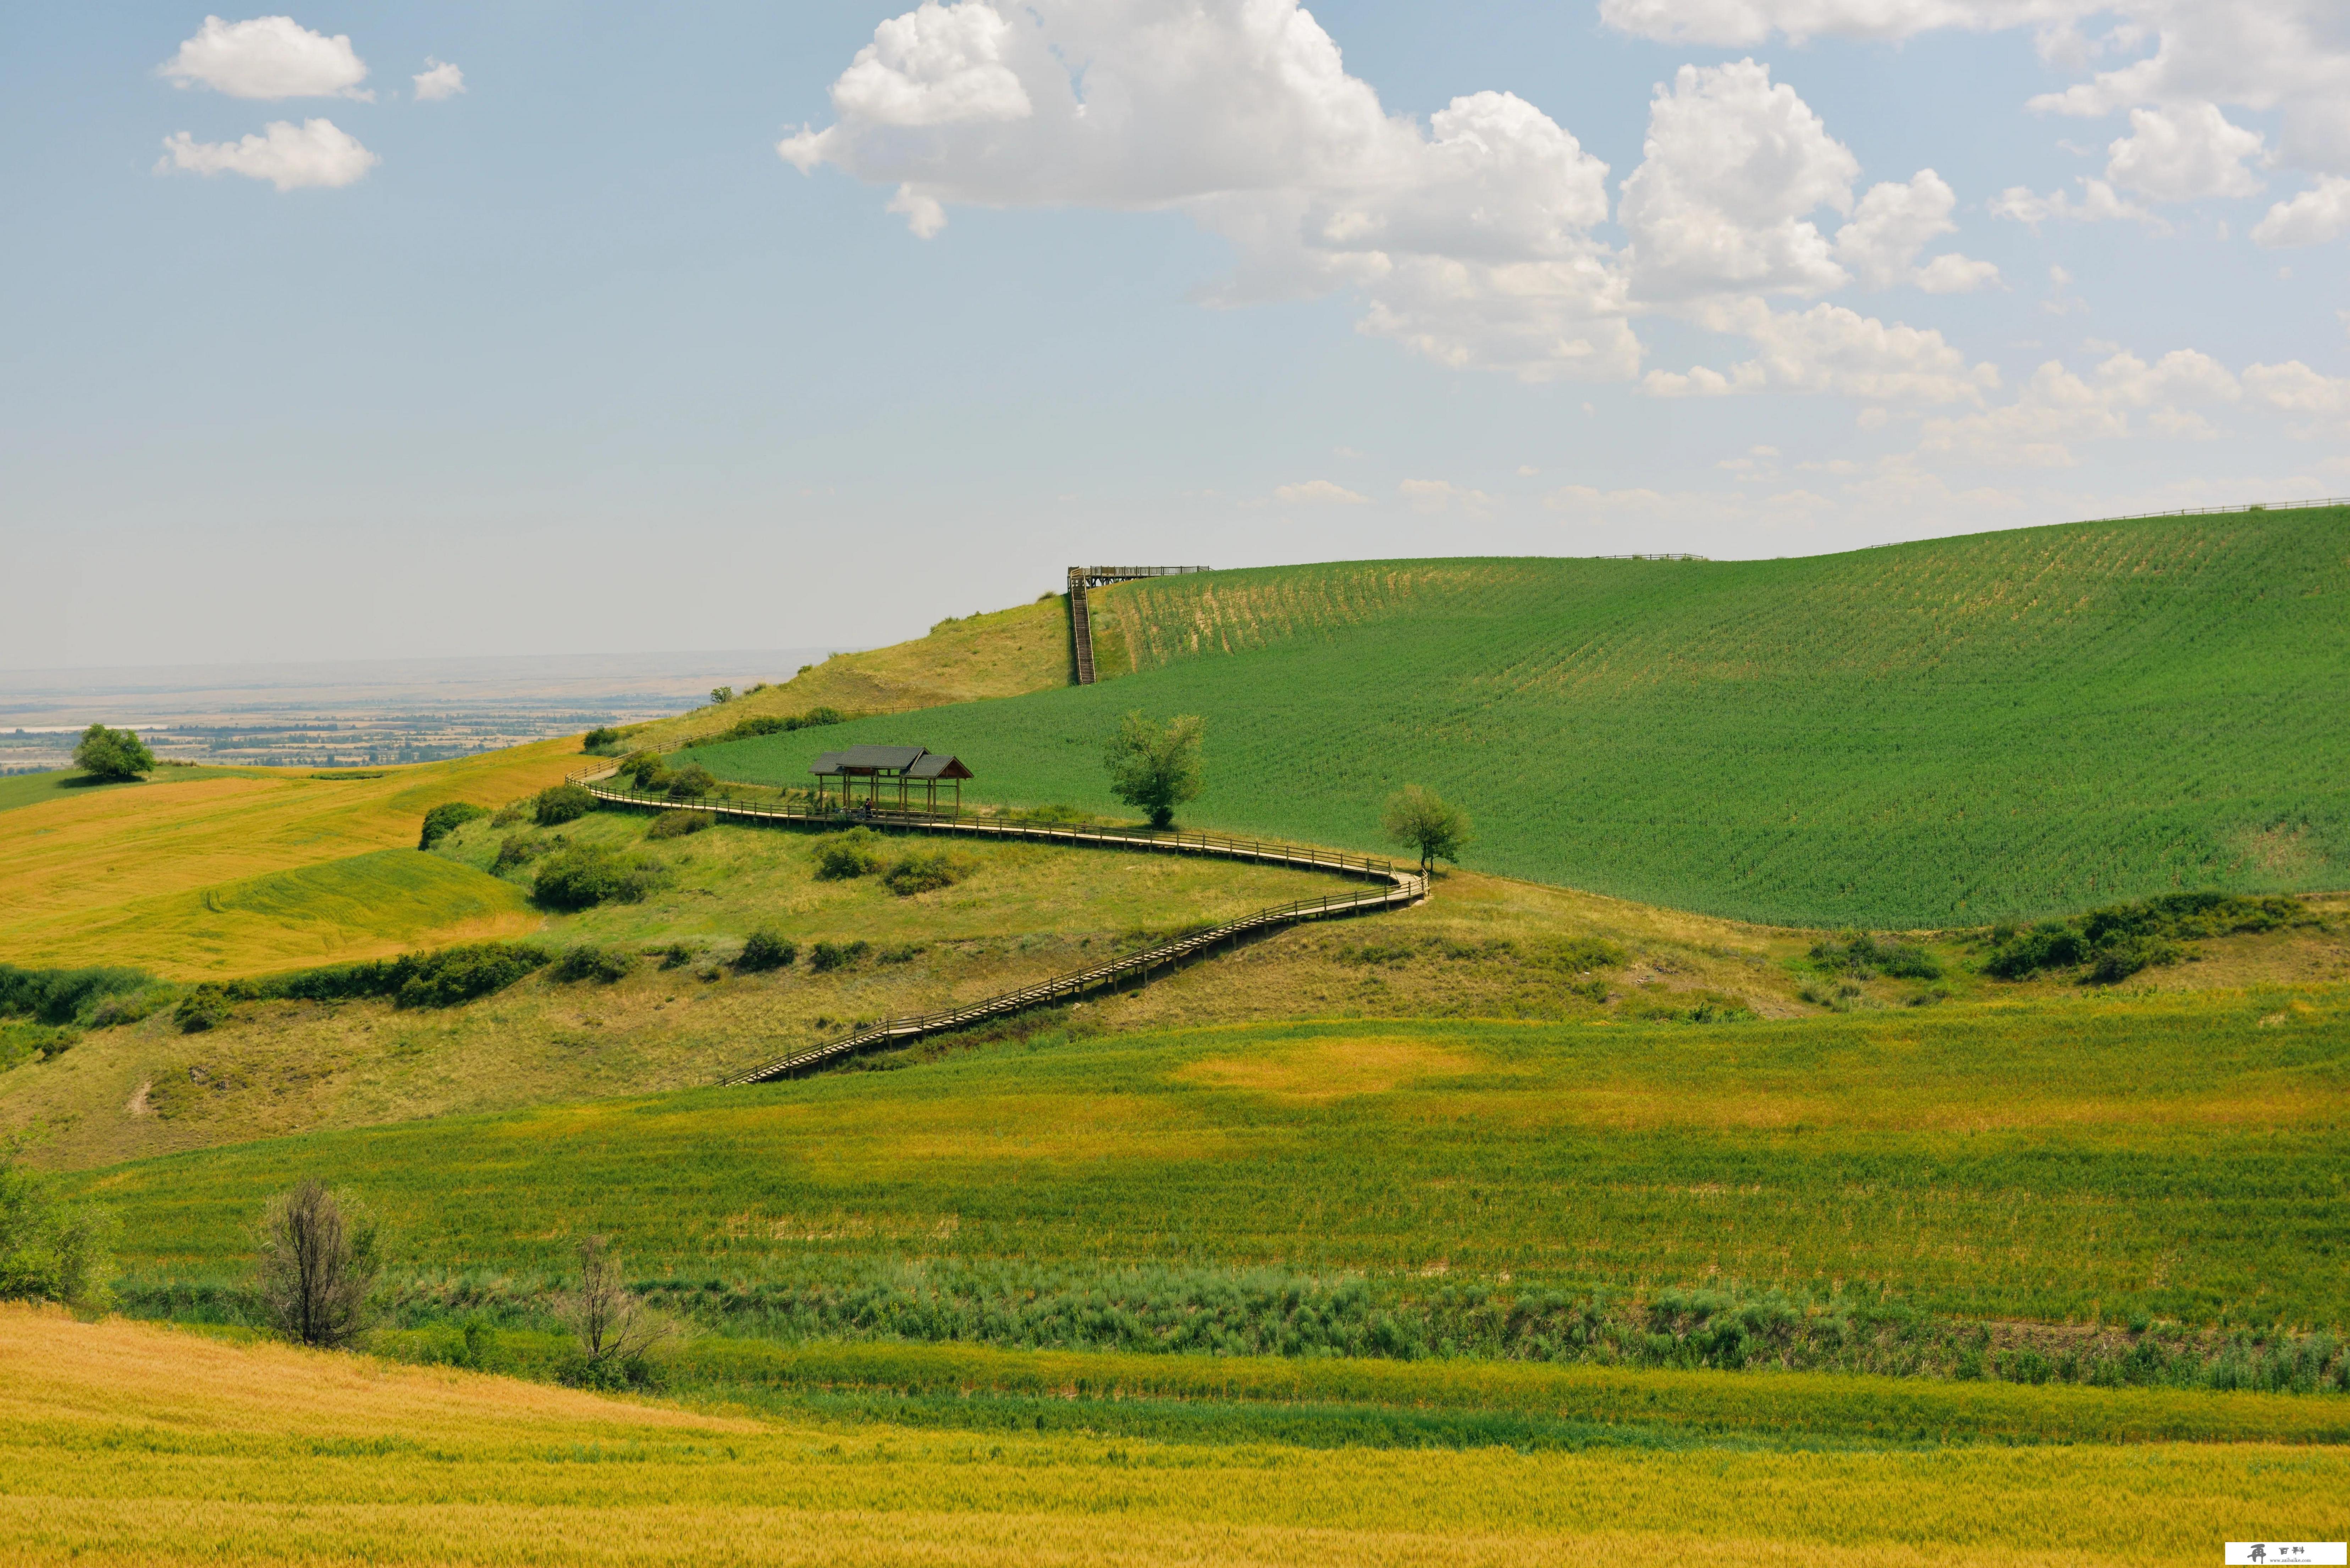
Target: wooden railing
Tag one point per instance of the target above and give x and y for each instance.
(1397, 888)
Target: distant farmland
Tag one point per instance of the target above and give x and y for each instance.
(1949, 731)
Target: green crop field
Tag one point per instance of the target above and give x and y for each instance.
(2183, 1157)
(1927, 735)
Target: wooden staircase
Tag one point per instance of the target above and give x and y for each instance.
(1081, 625)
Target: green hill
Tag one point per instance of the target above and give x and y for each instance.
(1943, 733)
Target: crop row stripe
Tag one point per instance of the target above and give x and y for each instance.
(1401, 889)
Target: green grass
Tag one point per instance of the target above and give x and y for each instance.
(2181, 1157)
(1938, 733)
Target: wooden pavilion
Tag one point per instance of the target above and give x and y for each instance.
(882, 766)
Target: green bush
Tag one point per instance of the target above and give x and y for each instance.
(588, 962)
(106, 753)
(445, 819)
(511, 813)
(516, 851)
(763, 950)
(597, 739)
(646, 771)
(206, 1007)
(65, 995)
(691, 781)
(49, 1250)
(442, 979)
(584, 875)
(677, 955)
(678, 824)
(562, 803)
(826, 957)
(2120, 940)
(1862, 956)
(844, 857)
(925, 871)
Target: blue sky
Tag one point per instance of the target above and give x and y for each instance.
(730, 326)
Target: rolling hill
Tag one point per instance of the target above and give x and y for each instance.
(1939, 733)
(210, 873)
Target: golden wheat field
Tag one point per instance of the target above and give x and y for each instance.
(123, 1443)
(229, 875)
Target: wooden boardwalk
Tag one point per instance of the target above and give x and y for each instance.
(1391, 887)
(1081, 620)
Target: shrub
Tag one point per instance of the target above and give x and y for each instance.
(64, 995)
(763, 950)
(815, 717)
(846, 855)
(2119, 961)
(722, 695)
(588, 962)
(206, 1007)
(317, 1264)
(925, 871)
(560, 803)
(646, 769)
(446, 818)
(585, 874)
(598, 738)
(678, 824)
(1858, 954)
(518, 851)
(757, 725)
(511, 813)
(691, 781)
(106, 754)
(677, 955)
(49, 1250)
(442, 979)
(825, 957)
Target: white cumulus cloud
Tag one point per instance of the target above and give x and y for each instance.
(1466, 238)
(2099, 203)
(1828, 348)
(313, 153)
(1435, 497)
(267, 57)
(1735, 166)
(439, 80)
(1893, 223)
(2311, 218)
(2185, 153)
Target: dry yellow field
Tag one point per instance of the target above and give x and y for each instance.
(122, 1443)
(204, 878)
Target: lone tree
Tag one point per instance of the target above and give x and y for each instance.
(317, 1264)
(106, 753)
(611, 1325)
(1419, 820)
(1156, 767)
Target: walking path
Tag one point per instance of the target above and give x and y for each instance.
(1395, 887)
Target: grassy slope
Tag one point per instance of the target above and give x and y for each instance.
(126, 1444)
(241, 871)
(2054, 1159)
(1927, 735)
(1000, 653)
(1025, 912)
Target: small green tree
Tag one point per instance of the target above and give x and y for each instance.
(1421, 821)
(558, 804)
(317, 1264)
(106, 753)
(722, 694)
(610, 1328)
(49, 1250)
(446, 818)
(1156, 767)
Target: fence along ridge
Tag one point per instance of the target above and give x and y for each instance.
(1402, 889)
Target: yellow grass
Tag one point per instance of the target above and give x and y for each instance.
(122, 1443)
(1003, 653)
(1332, 1069)
(121, 875)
